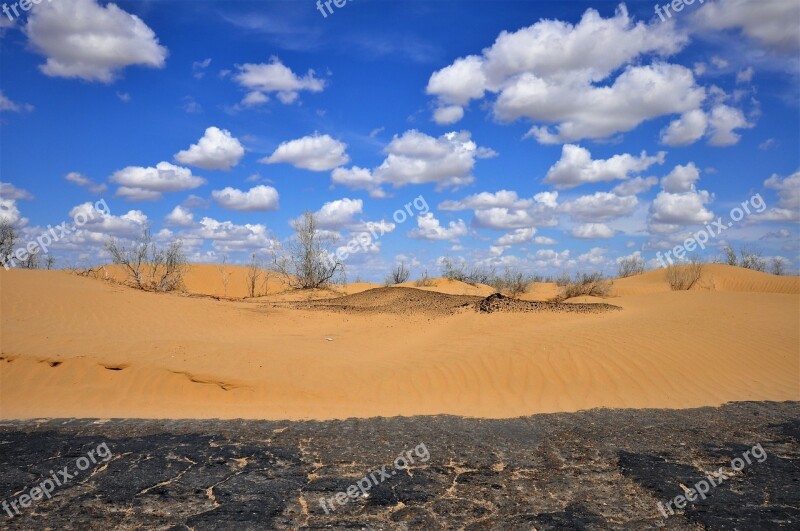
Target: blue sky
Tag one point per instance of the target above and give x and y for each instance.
(545, 136)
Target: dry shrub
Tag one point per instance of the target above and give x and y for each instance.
(424, 281)
(398, 275)
(584, 284)
(309, 262)
(148, 266)
(630, 266)
(513, 283)
(684, 277)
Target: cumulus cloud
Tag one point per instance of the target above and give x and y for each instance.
(635, 186)
(81, 180)
(484, 200)
(315, 153)
(128, 225)
(681, 179)
(771, 24)
(429, 228)
(670, 211)
(558, 73)
(517, 237)
(9, 191)
(180, 217)
(448, 115)
(339, 214)
(576, 167)
(592, 231)
(147, 184)
(788, 208)
(687, 129)
(258, 198)
(228, 237)
(274, 77)
(723, 122)
(599, 207)
(216, 150)
(83, 39)
(416, 158)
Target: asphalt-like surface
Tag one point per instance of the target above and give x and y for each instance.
(603, 469)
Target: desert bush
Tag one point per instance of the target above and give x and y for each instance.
(474, 275)
(398, 275)
(778, 266)
(255, 273)
(684, 277)
(630, 266)
(748, 258)
(512, 282)
(8, 239)
(224, 274)
(309, 261)
(424, 281)
(148, 266)
(49, 262)
(583, 284)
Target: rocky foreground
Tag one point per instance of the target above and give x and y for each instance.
(602, 469)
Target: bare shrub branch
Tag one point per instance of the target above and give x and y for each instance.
(398, 275)
(309, 262)
(148, 266)
(630, 266)
(684, 277)
(584, 284)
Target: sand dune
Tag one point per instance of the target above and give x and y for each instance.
(79, 347)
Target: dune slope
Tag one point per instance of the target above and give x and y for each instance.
(78, 347)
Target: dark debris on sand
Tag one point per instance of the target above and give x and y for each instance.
(601, 469)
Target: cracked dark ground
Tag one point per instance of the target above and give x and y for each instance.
(602, 469)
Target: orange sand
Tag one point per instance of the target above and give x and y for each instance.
(79, 347)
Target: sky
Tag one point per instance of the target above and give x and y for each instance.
(540, 136)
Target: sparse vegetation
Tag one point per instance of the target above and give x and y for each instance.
(8, 239)
(424, 281)
(747, 257)
(309, 262)
(224, 274)
(684, 277)
(475, 275)
(255, 273)
(513, 283)
(630, 266)
(148, 266)
(778, 266)
(398, 275)
(583, 284)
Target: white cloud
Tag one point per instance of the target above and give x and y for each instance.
(265, 78)
(723, 121)
(82, 39)
(315, 153)
(339, 214)
(416, 158)
(227, 237)
(599, 207)
(9, 191)
(687, 129)
(592, 231)
(10, 212)
(517, 237)
(595, 256)
(8, 105)
(746, 75)
(505, 219)
(560, 73)
(128, 225)
(576, 167)
(635, 186)
(147, 184)
(773, 24)
(180, 217)
(681, 179)
(669, 211)
(258, 198)
(82, 180)
(429, 228)
(448, 115)
(788, 190)
(255, 98)
(216, 150)
(484, 200)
